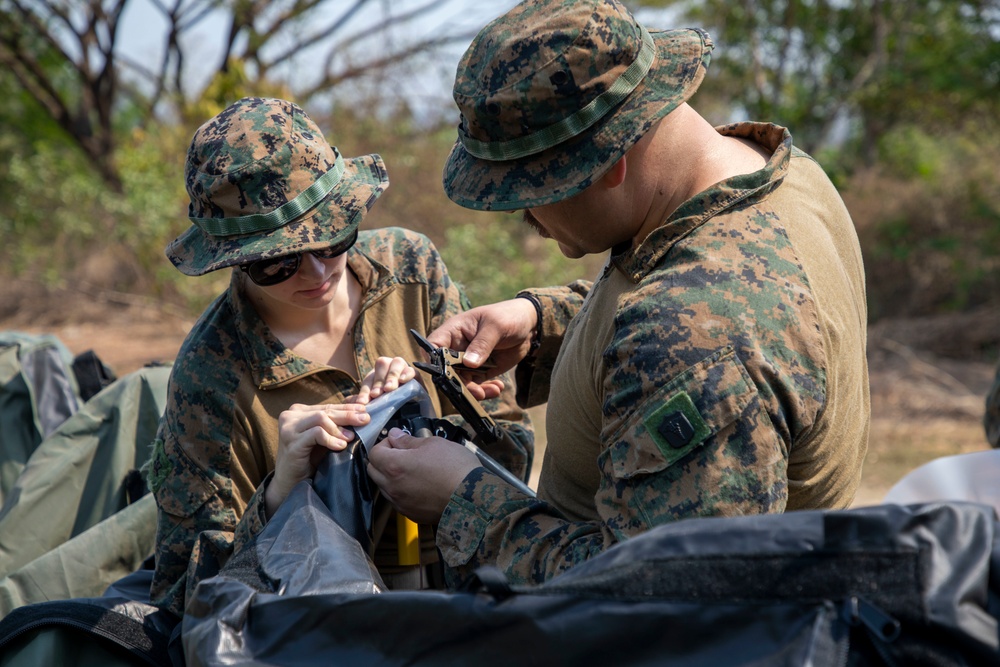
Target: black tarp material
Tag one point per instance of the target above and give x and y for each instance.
(884, 585)
(118, 629)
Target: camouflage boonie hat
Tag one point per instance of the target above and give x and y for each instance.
(264, 182)
(554, 92)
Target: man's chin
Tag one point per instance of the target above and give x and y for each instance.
(571, 253)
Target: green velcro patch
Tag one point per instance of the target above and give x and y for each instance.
(677, 427)
(158, 467)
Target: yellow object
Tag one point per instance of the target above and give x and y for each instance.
(407, 540)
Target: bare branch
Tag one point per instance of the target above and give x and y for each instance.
(299, 9)
(332, 80)
(320, 36)
(187, 19)
(35, 82)
(41, 30)
(33, 79)
(866, 72)
(785, 45)
(84, 36)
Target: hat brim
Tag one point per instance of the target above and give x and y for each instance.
(333, 220)
(566, 169)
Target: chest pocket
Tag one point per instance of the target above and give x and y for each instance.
(701, 445)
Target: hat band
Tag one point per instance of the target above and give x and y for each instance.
(281, 216)
(570, 126)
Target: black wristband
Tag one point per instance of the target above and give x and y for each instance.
(536, 337)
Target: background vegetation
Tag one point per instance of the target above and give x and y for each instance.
(899, 101)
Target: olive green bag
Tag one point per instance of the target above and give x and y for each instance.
(77, 516)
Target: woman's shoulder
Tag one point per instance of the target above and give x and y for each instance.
(408, 255)
(394, 241)
(209, 367)
(213, 339)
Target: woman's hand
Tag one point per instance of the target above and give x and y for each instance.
(389, 373)
(305, 434)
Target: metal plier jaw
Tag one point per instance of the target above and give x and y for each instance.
(443, 368)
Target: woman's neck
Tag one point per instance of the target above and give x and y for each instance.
(321, 334)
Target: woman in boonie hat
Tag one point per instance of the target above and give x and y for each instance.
(270, 374)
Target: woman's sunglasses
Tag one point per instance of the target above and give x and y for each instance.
(267, 272)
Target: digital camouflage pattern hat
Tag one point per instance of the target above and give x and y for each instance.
(264, 182)
(554, 92)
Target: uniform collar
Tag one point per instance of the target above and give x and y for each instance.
(637, 262)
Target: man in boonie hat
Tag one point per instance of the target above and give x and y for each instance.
(715, 367)
(272, 372)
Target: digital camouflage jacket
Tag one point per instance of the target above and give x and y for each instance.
(716, 369)
(218, 438)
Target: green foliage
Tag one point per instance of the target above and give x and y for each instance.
(811, 64)
(64, 224)
(922, 187)
(910, 152)
(495, 258)
(900, 102)
(47, 197)
(928, 216)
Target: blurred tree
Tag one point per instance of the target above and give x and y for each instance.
(901, 100)
(66, 55)
(77, 93)
(851, 69)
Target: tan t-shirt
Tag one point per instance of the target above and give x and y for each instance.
(817, 283)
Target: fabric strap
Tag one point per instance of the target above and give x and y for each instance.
(287, 212)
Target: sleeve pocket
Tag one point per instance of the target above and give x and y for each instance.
(682, 415)
(181, 488)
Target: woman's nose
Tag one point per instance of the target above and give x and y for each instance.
(311, 266)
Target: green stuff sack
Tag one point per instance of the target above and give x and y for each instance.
(81, 475)
(38, 392)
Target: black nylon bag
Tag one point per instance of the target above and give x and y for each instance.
(884, 585)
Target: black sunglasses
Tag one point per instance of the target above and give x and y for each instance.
(267, 272)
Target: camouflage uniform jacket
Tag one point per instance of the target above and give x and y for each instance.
(716, 369)
(217, 441)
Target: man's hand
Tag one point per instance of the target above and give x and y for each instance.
(500, 331)
(305, 434)
(418, 475)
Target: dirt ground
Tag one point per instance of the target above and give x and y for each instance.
(928, 376)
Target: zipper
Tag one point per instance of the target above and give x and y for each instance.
(882, 628)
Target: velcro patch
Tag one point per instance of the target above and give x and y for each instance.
(676, 427)
(158, 467)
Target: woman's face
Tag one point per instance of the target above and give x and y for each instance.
(312, 286)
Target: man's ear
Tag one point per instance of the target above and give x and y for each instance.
(616, 175)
